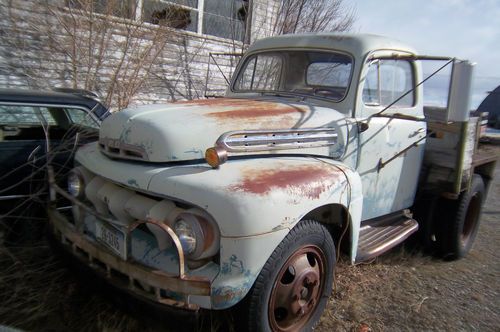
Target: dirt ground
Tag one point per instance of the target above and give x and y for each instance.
(402, 291)
(399, 291)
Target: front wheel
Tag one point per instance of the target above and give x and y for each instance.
(293, 287)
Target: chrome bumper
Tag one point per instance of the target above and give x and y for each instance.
(147, 282)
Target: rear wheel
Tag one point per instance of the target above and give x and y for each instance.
(463, 221)
(292, 289)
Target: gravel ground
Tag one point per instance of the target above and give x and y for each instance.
(397, 292)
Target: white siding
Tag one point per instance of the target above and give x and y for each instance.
(30, 55)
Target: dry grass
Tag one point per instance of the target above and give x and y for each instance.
(37, 290)
(401, 290)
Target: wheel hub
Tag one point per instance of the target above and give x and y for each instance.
(297, 289)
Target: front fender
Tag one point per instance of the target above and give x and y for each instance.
(255, 196)
(247, 196)
(255, 203)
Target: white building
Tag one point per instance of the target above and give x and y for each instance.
(128, 51)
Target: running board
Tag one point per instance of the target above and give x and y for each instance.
(378, 235)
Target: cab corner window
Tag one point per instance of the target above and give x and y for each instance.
(388, 80)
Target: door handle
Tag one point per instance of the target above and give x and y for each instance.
(33, 153)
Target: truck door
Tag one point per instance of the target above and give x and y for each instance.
(389, 169)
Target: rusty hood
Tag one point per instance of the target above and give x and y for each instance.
(184, 130)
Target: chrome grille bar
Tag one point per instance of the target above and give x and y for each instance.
(276, 139)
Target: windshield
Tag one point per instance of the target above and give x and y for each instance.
(320, 74)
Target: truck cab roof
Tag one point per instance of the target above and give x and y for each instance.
(355, 44)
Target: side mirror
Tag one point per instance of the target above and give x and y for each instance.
(458, 95)
(460, 91)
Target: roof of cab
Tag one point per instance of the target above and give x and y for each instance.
(356, 44)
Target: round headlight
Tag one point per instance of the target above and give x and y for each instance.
(75, 184)
(187, 236)
(199, 237)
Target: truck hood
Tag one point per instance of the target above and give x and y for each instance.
(184, 130)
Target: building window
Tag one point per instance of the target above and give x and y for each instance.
(220, 18)
(178, 14)
(226, 19)
(118, 8)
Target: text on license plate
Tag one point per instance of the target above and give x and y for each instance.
(112, 238)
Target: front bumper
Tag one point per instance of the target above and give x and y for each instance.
(152, 284)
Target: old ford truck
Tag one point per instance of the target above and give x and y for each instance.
(322, 144)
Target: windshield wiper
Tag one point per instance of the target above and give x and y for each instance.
(282, 94)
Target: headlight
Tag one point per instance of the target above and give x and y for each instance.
(75, 184)
(186, 235)
(198, 234)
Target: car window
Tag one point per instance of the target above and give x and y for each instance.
(329, 74)
(388, 80)
(81, 117)
(25, 115)
(305, 73)
(262, 73)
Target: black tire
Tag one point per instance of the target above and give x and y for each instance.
(310, 249)
(463, 222)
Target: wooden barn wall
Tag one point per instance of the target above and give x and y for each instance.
(29, 58)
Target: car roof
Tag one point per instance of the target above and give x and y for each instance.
(46, 97)
(72, 98)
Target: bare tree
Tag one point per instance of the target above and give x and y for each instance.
(99, 46)
(295, 16)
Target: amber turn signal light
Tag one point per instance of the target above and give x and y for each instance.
(215, 156)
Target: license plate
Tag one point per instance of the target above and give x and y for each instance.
(113, 238)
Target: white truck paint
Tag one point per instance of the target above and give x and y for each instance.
(202, 236)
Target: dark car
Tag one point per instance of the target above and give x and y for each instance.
(38, 128)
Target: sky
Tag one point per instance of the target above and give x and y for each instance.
(467, 29)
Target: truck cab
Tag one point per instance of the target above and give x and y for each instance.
(321, 143)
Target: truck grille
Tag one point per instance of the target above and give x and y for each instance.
(115, 148)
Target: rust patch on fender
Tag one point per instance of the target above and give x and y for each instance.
(304, 180)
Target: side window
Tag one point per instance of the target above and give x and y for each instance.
(21, 123)
(386, 81)
(25, 115)
(81, 117)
